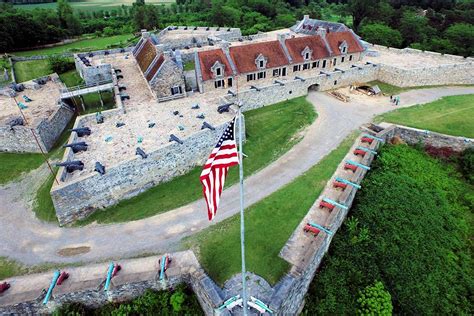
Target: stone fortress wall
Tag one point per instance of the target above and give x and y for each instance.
(303, 251)
(79, 198)
(47, 129)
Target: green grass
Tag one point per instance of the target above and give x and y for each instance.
(388, 89)
(189, 65)
(91, 5)
(79, 46)
(4, 64)
(268, 225)
(271, 131)
(453, 115)
(31, 69)
(9, 268)
(13, 165)
(43, 205)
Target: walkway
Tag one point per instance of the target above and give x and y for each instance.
(26, 239)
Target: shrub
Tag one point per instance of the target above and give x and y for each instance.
(416, 210)
(467, 164)
(374, 300)
(60, 64)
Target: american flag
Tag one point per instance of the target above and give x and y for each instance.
(214, 172)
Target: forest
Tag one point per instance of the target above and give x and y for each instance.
(446, 26)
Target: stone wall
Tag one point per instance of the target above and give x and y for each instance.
(198, 39)
(79, 198)
(85, 285)
(169, 76)
(21, 139)
(440, 75)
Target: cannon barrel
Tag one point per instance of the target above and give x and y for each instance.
(70, 163)
(100, 168)
(75, 144)
(81, 131)
(141, 152)
(174, 138)
(207, 125)
(224, 108)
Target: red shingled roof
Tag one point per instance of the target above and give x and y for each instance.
(336, 38)
(208, 58)
(296, 46)
(244, 55)
(155, 68)
(146, 55)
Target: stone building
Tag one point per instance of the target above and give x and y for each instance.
(162, 70)
(263, 62)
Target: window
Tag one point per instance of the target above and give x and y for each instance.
(250, 77)
(334, 61)
(261, 75)
(219, 83)
(306, 66)
(342, 60)
(296, 68)
(324, 63)
(260, 62)
(276, 72)
(229, 82)
(283, 71)
(344, 49)
(306, 56)
(350, 57)
(176, 90)
(218, 71)
(314, 65)
(335, 82)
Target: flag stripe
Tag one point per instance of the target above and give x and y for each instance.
(214, 173)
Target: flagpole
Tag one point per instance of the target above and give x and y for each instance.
(242, 223)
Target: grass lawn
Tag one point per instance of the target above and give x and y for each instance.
(453, 115)
(189, 65)
(9, 268)
(12, 165)
(268, 225)
(91, 5)
(388, 89)
(4, 64)
(271, 131)
(31, 69)
(79, 46)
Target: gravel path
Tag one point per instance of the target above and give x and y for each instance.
(26, 239)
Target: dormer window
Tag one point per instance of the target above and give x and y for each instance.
(218, 69)
(343, 47)
(307, 53)
(261, 61)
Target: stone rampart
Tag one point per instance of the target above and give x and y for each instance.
(21, 139)
(80, 197)
(86, 285)
(439, 75)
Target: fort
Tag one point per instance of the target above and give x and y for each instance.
(173, 115)
(175, 92)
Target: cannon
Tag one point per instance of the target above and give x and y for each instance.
(200, 116)
(255, 88)
(141, 152)
(118, 71)
(17, 87)
(207, 125)
(175, 112)
(151, 125)
(18, 121)
(4, 286)
(119, 77)
(71, 166)
(224, 108)
(164, 263)
(99, 118)
(77, 147)
(62, 277)
(124, 96)
(81, 131)
(174, 138)
(232, 93)
(26, 98)
(122, 87)
(119, 124)
(100, 168)
(281, 83)
(195, 107)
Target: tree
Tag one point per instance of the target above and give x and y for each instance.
(360, 9)
(374, 300)
(67, 19)
(461, 35)
(381, 34)
(414, 28)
